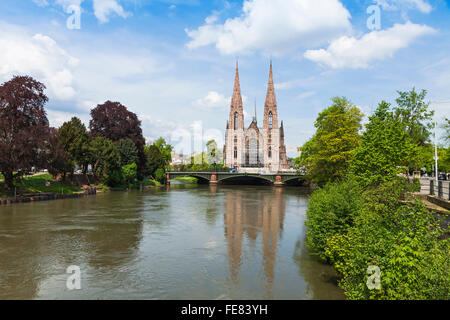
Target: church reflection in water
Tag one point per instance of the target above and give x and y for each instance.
(257, 217)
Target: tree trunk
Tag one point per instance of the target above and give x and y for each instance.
(9, 180)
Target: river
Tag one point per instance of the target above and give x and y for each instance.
(180, 242)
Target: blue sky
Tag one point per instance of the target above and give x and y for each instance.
(172, 61)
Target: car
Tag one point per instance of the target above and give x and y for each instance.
(442, 176)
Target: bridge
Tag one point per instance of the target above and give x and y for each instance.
(277, 179)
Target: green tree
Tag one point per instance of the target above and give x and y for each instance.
(129, 173)
(74, 139)
(332, 210)
(213, 154)
(385, 146)
(402, 239)
(160, 175)
(412, 111)
(326, 156)
(154, 159)
(166, 151)
(98, 148)
(112, 167)
(128, 152)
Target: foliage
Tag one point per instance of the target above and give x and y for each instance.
(166, 151)
(213, 153)
(36, 184)
(129, 173)
(160, 175)
(150, 182)
(332, 210)
(154, 159)
(112, 170)
(412, 111)
(23, 126)
(385, 146)
(74, 139)
(187, 179)
(58, 161)
(327, 154)
(401, 239)
(113, 121)
(128, 152)
(446, 127)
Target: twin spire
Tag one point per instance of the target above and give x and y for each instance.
(236, 100)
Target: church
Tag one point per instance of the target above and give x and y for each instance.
(255, 147)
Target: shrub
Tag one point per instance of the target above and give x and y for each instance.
(160, 175)
(399, 238)
(331, 211)
(129, 173)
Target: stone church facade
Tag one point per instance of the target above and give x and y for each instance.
(255, 147)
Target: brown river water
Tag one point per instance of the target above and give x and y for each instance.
(179, 242)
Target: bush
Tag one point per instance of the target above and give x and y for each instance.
(160, 175)
(129, 173)
(331, 211)
(399, 238)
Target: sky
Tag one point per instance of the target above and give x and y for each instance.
(172, 62)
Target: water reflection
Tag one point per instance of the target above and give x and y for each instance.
(185, 242)
(253, 215)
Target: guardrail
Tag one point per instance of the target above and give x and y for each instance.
(440, 189)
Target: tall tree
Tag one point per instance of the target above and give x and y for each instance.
(58, 161)
(386, 145)
(113, 121)
(412, 111)
(166, 151)
(23, 125)
(128, 152)
(154, 158)
(326, 156)
(74, 139)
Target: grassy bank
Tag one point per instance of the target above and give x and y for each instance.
(36, 184)
(187, 179)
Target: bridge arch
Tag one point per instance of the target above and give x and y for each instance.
(244, 178)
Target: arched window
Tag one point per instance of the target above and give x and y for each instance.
(235, 152)
(270, 152)
(270, 120)
(236, 120)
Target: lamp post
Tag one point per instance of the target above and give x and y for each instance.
(435, 155)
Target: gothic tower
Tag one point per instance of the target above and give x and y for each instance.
(270, 128)
(233, 149)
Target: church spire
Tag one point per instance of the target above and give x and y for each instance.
(236, 101)
(271, 100)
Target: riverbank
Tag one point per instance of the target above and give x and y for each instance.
(46, 197)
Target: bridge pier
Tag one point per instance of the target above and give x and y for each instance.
(213, 180)
(278, 181)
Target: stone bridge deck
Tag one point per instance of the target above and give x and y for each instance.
(277, 179)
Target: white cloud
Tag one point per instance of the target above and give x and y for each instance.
(104, 8)
(350, 52)
(420, 5)
(273, 26)
(38, 56)
(213, 100)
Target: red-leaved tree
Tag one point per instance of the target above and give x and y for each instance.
(23, 126)
(113, 121)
